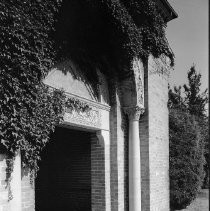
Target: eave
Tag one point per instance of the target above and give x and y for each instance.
(167, 10)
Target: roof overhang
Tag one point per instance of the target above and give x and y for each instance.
(167, 10)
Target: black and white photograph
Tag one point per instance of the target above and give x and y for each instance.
(104, 105)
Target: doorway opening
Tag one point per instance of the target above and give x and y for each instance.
(64, 179)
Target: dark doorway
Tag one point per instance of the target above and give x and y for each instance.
(64, 179)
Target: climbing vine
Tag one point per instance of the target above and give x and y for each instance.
(118, 30)
(29, 128)
(36, 33)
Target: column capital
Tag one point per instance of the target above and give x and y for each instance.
(134, 112)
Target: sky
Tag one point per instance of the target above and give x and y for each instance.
(189, 40)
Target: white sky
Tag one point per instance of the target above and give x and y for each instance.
(188, 38)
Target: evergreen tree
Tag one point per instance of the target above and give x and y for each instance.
(186, 158)
(188, 140)
(176, 100)
(194, 100)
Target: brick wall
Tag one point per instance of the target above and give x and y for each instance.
(97, 175)
(27, 192)
(118, 155)
(144, 150)
(126, 161)
(88, 155)
(154, 154)
(155, 139)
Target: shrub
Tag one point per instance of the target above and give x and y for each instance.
(186, 158)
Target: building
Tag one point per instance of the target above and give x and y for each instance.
(113, 157)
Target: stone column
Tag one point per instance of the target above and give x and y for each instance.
(134, 158)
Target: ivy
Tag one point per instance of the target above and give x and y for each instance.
(113, 31)
(37, 33)
(119, 30)
(77, 105)
(29, 128)
(29, 111)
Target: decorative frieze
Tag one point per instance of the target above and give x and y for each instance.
(91, 118)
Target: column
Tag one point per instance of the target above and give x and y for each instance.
(134, 158)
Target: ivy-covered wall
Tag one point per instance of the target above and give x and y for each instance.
(36, 35)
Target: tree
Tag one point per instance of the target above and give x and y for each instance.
(194, 100)
(186, 158)
(188, 140)
(205, 133)
(175, 98)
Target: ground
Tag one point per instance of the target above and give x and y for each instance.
(201, 203)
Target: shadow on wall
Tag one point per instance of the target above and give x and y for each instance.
(69, 76)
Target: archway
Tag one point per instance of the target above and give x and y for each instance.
(64, 179)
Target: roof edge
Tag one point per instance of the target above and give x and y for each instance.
(170, 9)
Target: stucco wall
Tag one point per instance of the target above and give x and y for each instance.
(71, 79)
(3, 191)
(68, 76)
(27, 189)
